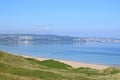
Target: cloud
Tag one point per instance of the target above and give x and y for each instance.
(39, 29)
(28, 29)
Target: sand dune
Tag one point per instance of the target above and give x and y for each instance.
(73, 63)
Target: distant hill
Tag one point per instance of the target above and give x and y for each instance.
(18, 68)
(33, 38)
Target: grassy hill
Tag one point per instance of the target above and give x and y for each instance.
(18, 68)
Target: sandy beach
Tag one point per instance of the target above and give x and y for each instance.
(74, 64)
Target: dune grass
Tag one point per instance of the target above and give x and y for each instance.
(19, 68)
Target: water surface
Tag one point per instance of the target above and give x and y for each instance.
(98, 53)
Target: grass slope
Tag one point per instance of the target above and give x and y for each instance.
(18, 68)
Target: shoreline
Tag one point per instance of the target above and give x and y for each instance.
(74, 64)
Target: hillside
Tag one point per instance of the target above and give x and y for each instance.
(18, 68)
(51, 39)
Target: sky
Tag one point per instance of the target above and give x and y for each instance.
(83, 18)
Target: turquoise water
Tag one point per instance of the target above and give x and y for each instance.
(98, 53)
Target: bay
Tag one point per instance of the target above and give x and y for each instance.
(97, 53)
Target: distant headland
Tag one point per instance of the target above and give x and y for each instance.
(30, 38)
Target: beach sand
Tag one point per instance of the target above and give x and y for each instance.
(74, 64)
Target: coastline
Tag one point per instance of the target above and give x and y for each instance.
(74, 64)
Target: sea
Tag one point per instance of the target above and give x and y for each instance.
(94, 52)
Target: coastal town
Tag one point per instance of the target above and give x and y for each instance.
(24, 38)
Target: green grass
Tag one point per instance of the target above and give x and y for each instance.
(49, 63)
(18, 68)
(87, 71)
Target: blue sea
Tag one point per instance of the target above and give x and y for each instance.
(97, 53)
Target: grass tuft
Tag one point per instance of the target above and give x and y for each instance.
(18, 68)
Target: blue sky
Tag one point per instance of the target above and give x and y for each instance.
(85, 18)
